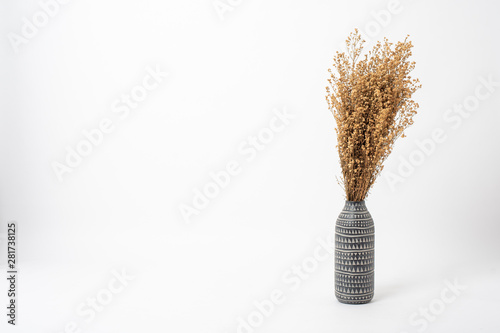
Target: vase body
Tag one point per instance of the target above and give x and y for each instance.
(354, 254)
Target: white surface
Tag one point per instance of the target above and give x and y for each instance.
(119, 209)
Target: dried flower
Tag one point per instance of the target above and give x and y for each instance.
(370, 99)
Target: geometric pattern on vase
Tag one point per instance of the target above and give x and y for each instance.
(354, 254)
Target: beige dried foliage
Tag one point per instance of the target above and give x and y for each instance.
(370, 98)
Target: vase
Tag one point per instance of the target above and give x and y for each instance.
(354, 254)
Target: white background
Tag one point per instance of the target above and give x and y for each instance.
(119, 209)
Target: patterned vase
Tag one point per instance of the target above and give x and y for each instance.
(354, 254)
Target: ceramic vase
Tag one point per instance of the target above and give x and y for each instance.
(354, 254)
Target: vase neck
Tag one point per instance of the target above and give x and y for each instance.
(354, 206)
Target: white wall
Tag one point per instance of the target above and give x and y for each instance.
(119, 208)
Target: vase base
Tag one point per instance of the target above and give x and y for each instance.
(354, 299)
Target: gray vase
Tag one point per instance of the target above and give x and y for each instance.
(354, 254)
